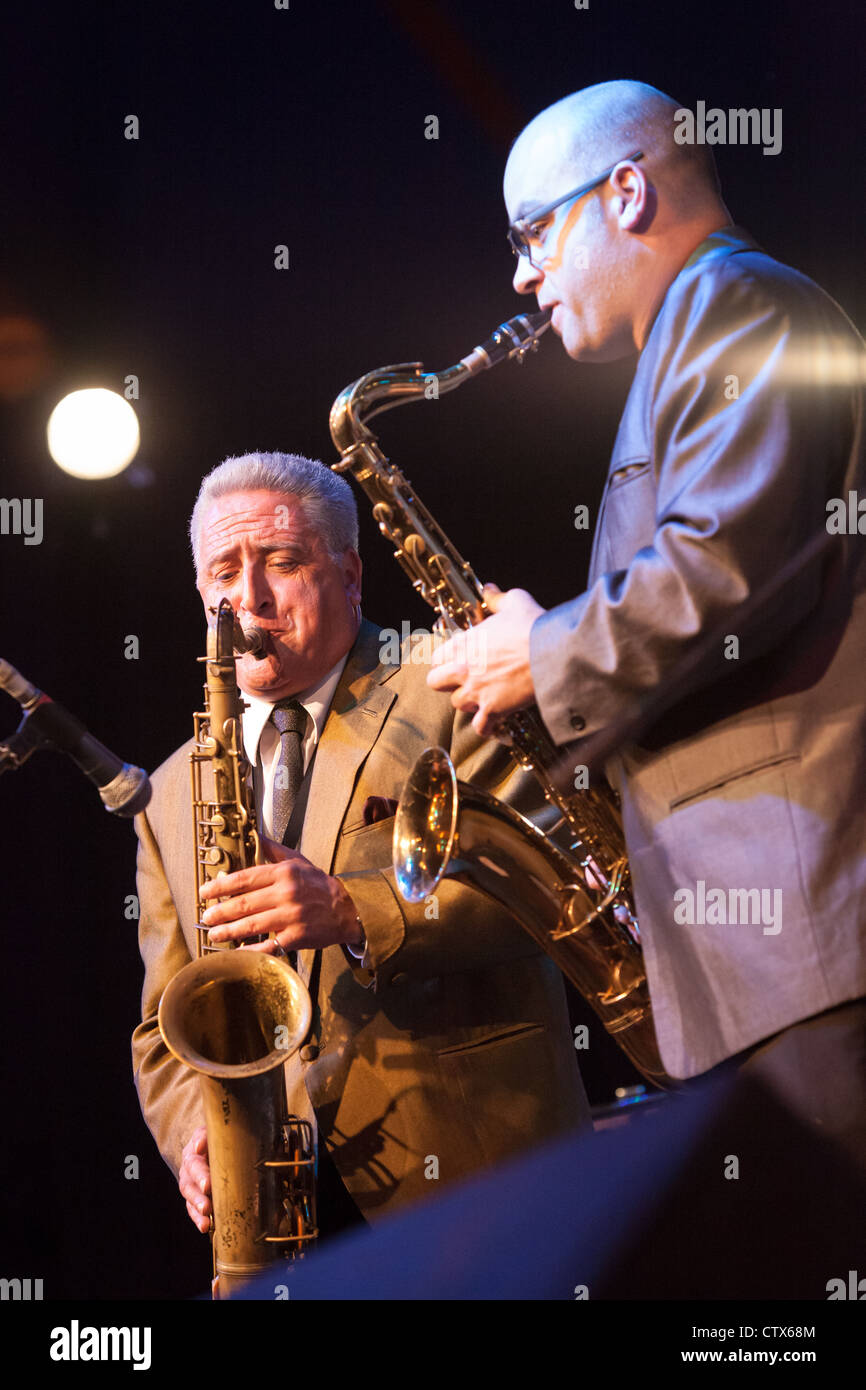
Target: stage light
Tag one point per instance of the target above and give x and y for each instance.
(93, 433)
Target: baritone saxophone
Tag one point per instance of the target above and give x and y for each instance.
(577, 906)
(236, 1017)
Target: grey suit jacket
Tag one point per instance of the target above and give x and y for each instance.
(451, 1041)
(744, 419)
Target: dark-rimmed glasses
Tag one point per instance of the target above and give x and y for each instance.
(521, 234)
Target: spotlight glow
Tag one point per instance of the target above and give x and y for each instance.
(93, 433)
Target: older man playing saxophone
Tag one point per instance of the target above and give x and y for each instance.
(440, 1040)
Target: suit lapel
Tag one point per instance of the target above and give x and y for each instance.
(358, 710)
(633, 442)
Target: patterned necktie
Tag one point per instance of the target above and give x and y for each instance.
(290, 719)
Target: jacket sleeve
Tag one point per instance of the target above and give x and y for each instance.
(168, 1091)
(456, 928)
(749, 425)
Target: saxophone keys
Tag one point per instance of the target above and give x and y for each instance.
(414, 545)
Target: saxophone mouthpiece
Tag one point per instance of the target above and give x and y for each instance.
(514, 338)
(249, 639)
(244, 639)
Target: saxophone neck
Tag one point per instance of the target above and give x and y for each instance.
(382, 390)
(437, 570)
(224, 697)
(220, 634)
(387, 387)
(227, 638)
(224, 820)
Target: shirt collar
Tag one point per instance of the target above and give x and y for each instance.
(727, 238)
(316, 700)
(724, 240)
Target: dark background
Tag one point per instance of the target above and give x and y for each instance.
(304, 127)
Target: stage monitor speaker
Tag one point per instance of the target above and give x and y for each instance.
(719, 1194)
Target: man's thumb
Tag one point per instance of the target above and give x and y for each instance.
(274, 851)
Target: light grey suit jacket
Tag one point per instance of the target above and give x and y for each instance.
(452, 1039)
(744, 419)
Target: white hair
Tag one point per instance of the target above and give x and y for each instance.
(327, 499)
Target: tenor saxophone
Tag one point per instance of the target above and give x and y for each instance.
(237, 1016)
(577, 905)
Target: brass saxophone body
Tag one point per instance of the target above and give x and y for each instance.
(237, 1016)
(587, 925)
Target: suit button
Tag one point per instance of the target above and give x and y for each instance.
(309, 1052)
(401, 978)
(578, 722)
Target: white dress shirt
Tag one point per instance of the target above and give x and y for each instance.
(262, 739)
(262, 746)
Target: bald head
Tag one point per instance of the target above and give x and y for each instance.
(586, 132)
(602, 261)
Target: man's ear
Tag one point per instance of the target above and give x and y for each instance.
(352, 575)
(635, 200)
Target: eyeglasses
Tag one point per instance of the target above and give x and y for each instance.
(522, 233)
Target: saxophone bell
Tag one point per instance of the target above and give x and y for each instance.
(445, 827)
(425, 827)
(236, 1018)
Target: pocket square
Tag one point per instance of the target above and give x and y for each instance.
(378, 808)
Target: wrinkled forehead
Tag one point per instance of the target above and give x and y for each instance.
(257, 519)
(540, 161)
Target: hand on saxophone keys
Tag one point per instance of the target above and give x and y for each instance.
(487, 666)
(289, 899)
(194, 1181)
